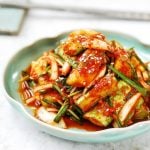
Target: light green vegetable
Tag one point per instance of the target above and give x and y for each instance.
(129, 81)
(96, 116)
(142, 110)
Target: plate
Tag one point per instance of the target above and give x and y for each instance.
(23, 58)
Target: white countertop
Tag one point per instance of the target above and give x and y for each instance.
(15, 132)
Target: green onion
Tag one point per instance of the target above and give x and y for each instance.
(62, 111)
(50, 102)
(68, 59)
(77, 109)
(130, 49)
(56, 87)
(108, 100)
(118, 121)
(129, 81)
(64, 107)
(58, 58)
(31, 83)
(73, 115)
(24, 78)
(73, 93)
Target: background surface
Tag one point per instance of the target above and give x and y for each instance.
(15, 132)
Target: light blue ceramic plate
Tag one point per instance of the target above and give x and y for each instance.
(23, 58)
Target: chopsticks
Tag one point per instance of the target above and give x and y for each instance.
(113, 14)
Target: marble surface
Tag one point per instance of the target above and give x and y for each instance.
(15, 132)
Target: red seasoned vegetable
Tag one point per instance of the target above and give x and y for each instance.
(87, 82)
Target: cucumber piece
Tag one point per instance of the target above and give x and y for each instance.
(119, 99)
(105, 87)
(141, 110)
(97, 116)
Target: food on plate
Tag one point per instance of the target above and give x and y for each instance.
(87, 82)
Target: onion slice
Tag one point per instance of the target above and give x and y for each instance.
(141, 80)
(48, 117)
(43, 87)
(54, 67)
(128, 107)
(30, 100)
(66, 68)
